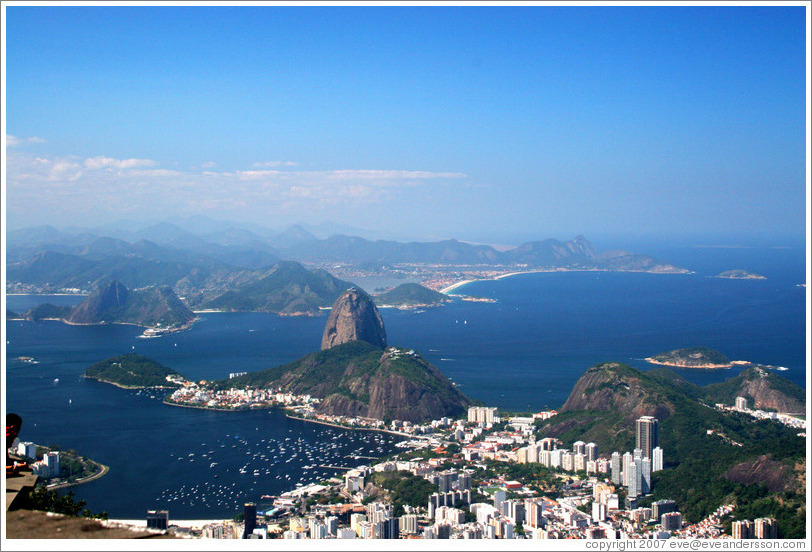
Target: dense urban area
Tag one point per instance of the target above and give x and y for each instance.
(484, 477)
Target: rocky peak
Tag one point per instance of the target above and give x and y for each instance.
(354, 317)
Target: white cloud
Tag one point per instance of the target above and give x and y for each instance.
(104, 186)
(272, 164)
(12, 141)
(108, 162)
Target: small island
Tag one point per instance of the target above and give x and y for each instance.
(740, 275)
(692, 357)
(134, 371)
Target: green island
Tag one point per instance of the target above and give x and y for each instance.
(740, 275)
(692, 357)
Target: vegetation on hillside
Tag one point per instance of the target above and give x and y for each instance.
(47, 310)
(131, 370)
(710, 455)
(406, 295)
(692, 356)
(286, 288)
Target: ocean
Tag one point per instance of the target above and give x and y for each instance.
(521, 353)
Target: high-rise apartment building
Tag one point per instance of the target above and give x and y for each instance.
(742, 529)
(671, 521)
(482, 414)
(645, 475)
(647, 435)
(657, 459)
(250, 519)
(591, 451)
(628, 459)
(157, 519)
(633, 479)
(408, 524)
(663, 507)
(766, 528)
(616, 468)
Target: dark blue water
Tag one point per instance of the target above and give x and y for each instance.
(523, 353)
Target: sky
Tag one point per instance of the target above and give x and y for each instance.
(493, 124)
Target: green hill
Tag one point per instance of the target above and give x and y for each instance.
(703, 470)
(115, 304)
(411, 295)
(764, 390)
(131, 371)
(286, 288)
(358, 379)
(47, 311)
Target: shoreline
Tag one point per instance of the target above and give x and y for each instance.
(698, 366)
(104, 471)
(461, 283)
(121, 386)
(172, 403)
(332, 424)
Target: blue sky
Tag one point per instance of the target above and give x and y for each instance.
(483, 123)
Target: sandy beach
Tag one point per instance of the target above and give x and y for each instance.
(459, 284)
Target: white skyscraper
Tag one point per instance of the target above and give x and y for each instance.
(616, 468)
(632, 480)
(52, 461)
(628, 459)
(657, 461)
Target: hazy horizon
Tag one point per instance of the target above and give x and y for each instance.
(484, 124)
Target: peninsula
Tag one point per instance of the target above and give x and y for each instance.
(133, 371)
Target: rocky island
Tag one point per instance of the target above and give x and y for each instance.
(692, 357)
(740, 275)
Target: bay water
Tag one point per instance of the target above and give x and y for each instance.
(521, 353)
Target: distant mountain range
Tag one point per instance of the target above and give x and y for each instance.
(234, 268)
(243, 248)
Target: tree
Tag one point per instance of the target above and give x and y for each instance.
(51, 501)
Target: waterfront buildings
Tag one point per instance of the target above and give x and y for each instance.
(482, 415)
(157, 519)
